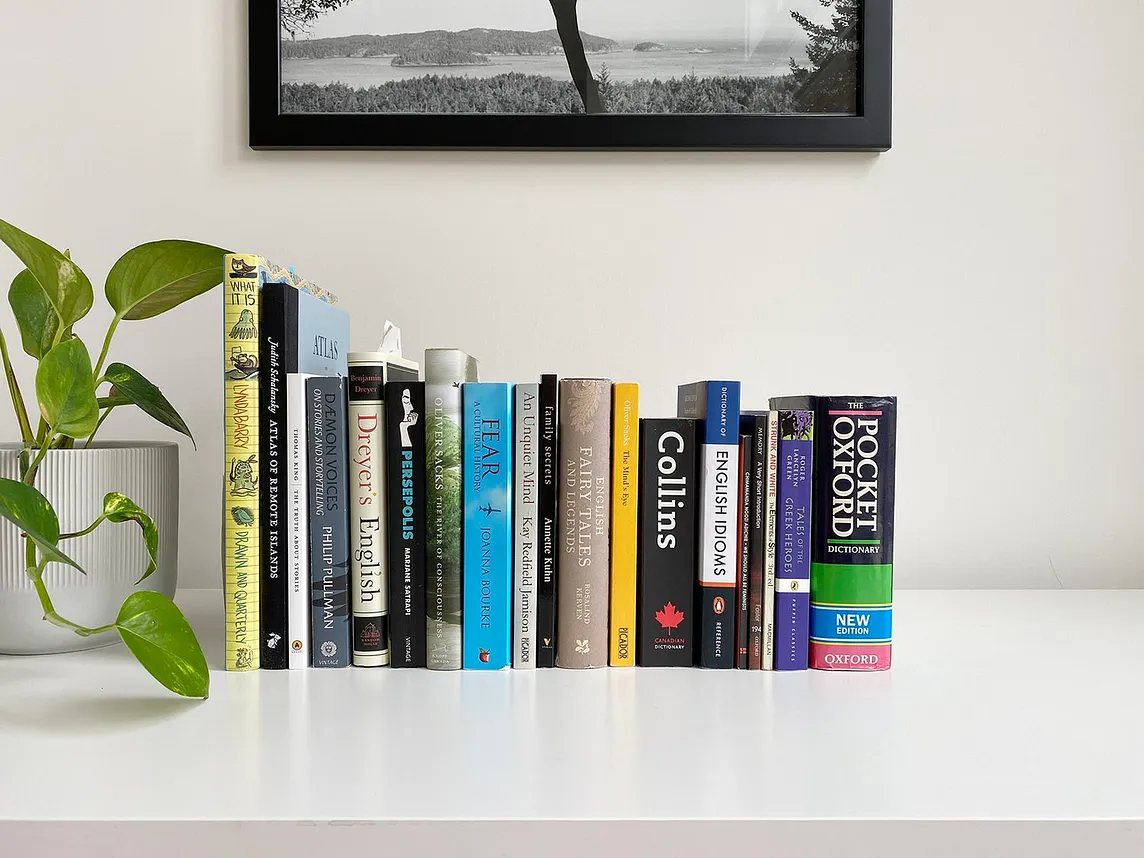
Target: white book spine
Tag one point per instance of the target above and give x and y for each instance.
(526, 535)
(298, 522)
(769, 556)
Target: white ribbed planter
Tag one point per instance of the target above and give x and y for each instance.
(75, 482)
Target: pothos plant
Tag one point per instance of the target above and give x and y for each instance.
(48, 298)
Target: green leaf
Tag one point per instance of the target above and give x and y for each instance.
(161, 639)
(35, 316)
(131, 384)
(66, 390)
(152, 278)
(30, 511)
(64, 285)
(119, 508)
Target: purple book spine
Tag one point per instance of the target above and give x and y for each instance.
(792, 572)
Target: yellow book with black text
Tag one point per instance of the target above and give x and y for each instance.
(625, 517)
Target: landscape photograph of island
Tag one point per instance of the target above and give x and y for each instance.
(761, 57)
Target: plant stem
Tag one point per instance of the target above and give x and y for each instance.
(30, 476)
(14, 391)
(35, 569)
(86, 530)
(106, 346)
(36, 573)
(102, 417)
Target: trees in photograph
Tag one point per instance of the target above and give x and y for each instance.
(830, 84)
(516, 93)
(296, 16)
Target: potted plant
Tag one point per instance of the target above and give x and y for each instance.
(75, 505)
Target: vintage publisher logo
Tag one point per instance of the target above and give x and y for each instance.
(329, 649)
(370, 637)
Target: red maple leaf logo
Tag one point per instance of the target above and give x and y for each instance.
(669, 617)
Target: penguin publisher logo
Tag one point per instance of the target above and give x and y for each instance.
(719, 606)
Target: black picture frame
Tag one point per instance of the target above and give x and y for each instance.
(869, 130)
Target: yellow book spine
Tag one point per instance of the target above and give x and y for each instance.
(625, 518)
(240, 564)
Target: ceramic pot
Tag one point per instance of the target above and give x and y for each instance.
(75, 482)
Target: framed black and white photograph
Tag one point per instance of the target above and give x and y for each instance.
(571, 74)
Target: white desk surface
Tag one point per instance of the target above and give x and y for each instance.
(1021, 708)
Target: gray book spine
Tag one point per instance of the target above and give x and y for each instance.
(527, 542)
(445, 371)
(585, 515)
(329, 521)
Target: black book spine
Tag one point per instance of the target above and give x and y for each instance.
(757, 540)
(329, 521)
(546, 510)
(668, 542)
(742, 591)
(271, 501)
(405, 489)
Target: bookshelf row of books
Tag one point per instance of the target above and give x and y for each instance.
(382, 513)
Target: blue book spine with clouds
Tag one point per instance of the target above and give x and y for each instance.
(487, 431)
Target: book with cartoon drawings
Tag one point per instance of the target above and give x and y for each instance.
(245, 277)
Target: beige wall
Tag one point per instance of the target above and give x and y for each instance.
(998, 242)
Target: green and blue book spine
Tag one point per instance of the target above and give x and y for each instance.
(852, 573)
(487, 494)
